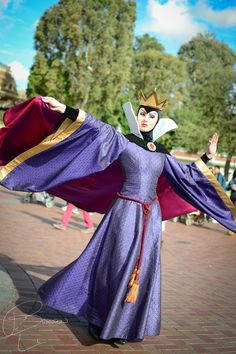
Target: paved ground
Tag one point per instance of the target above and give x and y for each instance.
(199, 286)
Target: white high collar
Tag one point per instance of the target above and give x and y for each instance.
(163, 126)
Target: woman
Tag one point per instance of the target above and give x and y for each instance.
(115, 283)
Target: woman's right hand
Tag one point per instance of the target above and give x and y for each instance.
(54, 105)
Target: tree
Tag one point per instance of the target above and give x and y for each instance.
(146, 42)
(84, 51)
(228, 131)
(210, 66)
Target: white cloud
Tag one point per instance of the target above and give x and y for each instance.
(15, 3)
(220, 18)
(6, 52)
(8, 22)
(35, 24)
(19, 72)
(4, 3)
(176, 21)
(172, 20)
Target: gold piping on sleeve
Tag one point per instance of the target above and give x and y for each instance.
(221, 192)
(63, 132)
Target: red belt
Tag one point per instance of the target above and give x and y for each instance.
(134, 279)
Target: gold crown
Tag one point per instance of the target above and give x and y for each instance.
(151, 100)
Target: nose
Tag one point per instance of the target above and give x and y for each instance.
(145, 118)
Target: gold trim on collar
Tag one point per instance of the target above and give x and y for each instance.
(220, 191)
(63, 132)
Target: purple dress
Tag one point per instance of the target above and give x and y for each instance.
(95, 284)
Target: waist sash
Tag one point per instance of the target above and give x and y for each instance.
(134, 279)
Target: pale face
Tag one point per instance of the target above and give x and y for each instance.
(146, 120)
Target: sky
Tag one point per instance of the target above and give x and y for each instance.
(172, 22)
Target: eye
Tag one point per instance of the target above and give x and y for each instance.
(153, 115)
(142, 113)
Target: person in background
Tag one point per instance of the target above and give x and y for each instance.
(232, 187)
(211, 169)
(220, 177)
(222, 181)
(66, 218)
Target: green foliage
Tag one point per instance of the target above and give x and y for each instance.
(211, 71)
(151, 67)
(168, 140)
(191, 133)
(1, 116)
(86, 58)
(123, 124)
(146, 42)
(84, 51)
(206, 48)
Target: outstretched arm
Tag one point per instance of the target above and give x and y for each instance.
(60, 151)
(198, 186)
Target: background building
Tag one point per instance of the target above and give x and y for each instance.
(8, 91)
(220, 161)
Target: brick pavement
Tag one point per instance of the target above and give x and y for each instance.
(198, 286)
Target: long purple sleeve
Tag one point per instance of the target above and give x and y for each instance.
(198, 186)
(75, 150)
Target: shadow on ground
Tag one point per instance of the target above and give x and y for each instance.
(30, 304)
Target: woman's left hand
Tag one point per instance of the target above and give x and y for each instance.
(212, 146)
(54, 104)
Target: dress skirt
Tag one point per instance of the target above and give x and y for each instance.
(95, 285)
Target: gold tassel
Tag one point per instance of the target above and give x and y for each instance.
(132, 278)
(133, 293)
